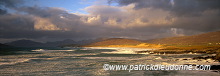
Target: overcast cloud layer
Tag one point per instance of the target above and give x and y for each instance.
(138, 19)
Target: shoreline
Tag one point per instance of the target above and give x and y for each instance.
(174, 50)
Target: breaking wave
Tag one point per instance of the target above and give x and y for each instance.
(121, 50)
(45, 50)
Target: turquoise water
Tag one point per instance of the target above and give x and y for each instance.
(89, 62)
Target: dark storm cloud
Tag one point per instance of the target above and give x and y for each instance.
(23, 26)
(43, 11)
(2, 11)
(177, 7)
(34, 22)
(197, 15)
(15, 25)
(8, 4)
(209, 21)
(57, 16)
(22, 23)
(67, 26)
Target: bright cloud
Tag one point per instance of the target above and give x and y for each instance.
(127, 16)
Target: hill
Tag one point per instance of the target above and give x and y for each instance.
(4, 46)
(89, 41)
(121, 42)
(25, 43)
(206, 38)
(116, 41)
(30, 43)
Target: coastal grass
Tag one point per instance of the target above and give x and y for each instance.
(209, 49)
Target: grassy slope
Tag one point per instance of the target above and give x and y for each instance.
(206, 38)
(202, 43)
(120, 42)
(115, 41)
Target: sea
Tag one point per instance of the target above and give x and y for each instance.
(79, 61)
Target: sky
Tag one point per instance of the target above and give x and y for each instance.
(55, 20)
(72, 6)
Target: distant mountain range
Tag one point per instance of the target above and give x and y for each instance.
(67, 42)
(25, 43)
(206, 38)
(30, 43)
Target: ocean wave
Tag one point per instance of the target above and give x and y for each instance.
(106, 58)
(22, 60)
(122, 50)
(45, 50)
(13, 61)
